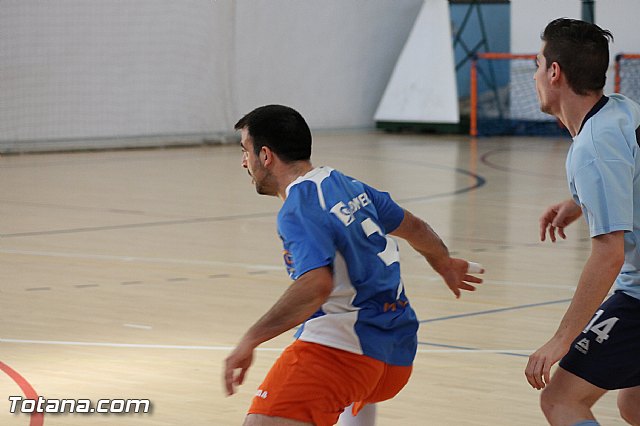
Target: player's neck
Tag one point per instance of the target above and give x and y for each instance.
(575, 108)
(290, 172)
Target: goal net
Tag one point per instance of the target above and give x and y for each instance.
(627, 75)
(503, 98)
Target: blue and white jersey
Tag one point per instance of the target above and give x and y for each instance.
(329, 219)
(603, 171)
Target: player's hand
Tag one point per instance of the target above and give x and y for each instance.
(558, 216)
(538, 370)
(456, 274)
(236, 366)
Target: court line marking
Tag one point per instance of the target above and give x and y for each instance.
(449, 348)
(497, 282)
(229, 348)
(455, 348)
(517, 171)
(250, 266)
(159, 260)
(124, 345)
(532, 285)
(480, 181)
(140, 225)
(493, 311)
(140, 326)
(36, 419)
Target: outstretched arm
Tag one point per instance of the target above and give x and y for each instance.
(301, 300)
(426, 242)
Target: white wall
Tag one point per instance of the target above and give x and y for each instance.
(528, 19)
(122, 72)
(622, 18)
(331, 59)
(99, 73)
(72, 69)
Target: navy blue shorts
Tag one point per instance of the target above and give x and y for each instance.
(607, 352)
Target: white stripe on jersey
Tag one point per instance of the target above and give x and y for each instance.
(316, 176)
(336, 329)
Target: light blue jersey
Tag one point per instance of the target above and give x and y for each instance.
(603, 171)
(329, 219)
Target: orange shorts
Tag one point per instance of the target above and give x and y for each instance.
(313, 383)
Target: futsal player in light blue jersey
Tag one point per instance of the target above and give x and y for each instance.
(598, 343)
(358, 338)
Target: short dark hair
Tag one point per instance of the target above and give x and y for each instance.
(280, 128)
(582, 51)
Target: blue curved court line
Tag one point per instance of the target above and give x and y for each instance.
(485, 160)
(493, 311)
(479, 180)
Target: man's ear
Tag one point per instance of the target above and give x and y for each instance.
(266, 155)
(555, 72)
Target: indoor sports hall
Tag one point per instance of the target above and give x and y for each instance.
(135, 252)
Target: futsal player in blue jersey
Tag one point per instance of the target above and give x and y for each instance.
(598, 343)
(358, 338)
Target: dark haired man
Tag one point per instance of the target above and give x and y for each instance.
(599, 343)
(358, 340)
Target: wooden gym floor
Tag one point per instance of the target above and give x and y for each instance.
(131, 274)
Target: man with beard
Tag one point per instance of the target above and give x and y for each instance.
(358, 340)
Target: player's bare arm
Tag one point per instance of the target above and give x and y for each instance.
(426, 242)
(303, 298)
(558, 216)
(598, 275)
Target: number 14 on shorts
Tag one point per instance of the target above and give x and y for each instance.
(601, 329)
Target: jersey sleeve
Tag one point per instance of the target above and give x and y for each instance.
(307, 240)
(390, 214)
(605, 191)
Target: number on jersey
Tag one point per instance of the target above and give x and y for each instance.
(390, 254)
(603, 328)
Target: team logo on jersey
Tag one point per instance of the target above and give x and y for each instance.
(288, 262)
(345, 212)
(583, 346)
(400, 304)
